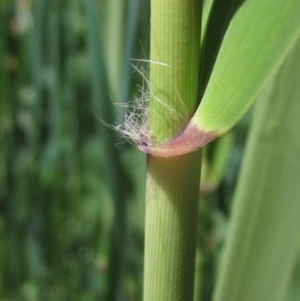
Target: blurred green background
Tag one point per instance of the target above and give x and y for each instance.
(71, 190)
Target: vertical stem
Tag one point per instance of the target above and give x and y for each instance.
(114, 41)
(171, 223)
(172, 184)
(175, 49)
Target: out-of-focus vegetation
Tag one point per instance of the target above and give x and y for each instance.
(66, 190)
(71, 201)
(71, 192)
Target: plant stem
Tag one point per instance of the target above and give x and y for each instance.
(115, 11)
(172, 184)
(175, 42)
(171, 223)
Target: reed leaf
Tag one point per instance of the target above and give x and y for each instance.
(264, 242)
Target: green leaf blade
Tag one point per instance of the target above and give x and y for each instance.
(264, 242)
(258, 38)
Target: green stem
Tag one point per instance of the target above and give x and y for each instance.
(114, 43)
(171, 223)
(172, 184)
(174, 53)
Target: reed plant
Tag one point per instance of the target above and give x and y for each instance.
(177, 128)
(72, 196)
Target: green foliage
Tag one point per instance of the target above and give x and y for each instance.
(245, 61)
(72, 193)
(64, 185)
(263, 242)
